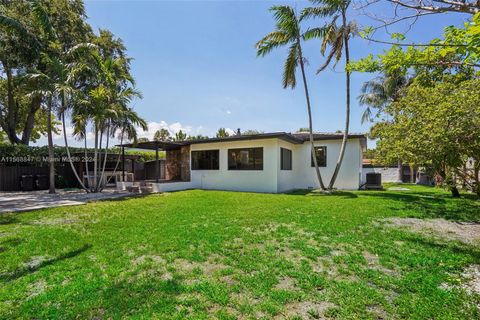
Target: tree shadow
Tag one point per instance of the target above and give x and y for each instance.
(20, 272)
(454, 246)
(433, 205)
(8, 219)
(317, 193)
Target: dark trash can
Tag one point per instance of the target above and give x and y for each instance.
(41, 182)
(26, 183)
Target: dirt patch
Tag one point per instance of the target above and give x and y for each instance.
(35, 262)
(37, 288)
(207, 268)
(286, 283)
(462, 231)
(470, 280)
(148, 258)
(374, 263)
(306, 310)
(377, 311)
(65, 220)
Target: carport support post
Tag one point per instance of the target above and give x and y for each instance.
(123, 164)
(157, 167)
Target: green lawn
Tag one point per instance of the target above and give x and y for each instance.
(204, 254)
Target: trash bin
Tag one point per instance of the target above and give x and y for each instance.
(26, 183)
(41, 182)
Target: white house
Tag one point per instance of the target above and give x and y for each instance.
(267, 162)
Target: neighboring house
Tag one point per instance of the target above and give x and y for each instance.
(267, 162)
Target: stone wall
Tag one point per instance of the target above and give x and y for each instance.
(177, 164)
(185, 163)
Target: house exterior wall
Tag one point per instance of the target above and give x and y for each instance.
(239, 180)
(349, 175)
(272, 178)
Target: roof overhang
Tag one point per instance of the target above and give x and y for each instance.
(154, 145)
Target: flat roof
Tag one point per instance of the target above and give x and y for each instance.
(295, 138)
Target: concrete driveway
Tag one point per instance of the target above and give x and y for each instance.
(33, 200)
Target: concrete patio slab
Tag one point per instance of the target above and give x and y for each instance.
(34, 200)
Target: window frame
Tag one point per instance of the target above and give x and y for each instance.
(282, 163)
(260, 168)
(320, 164)
(209, 150)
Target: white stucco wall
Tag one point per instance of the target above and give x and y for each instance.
(349, 176)
(388, 174)
(239, 180)
(271, 178)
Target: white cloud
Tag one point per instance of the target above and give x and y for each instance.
(230, 131)
(173, 128)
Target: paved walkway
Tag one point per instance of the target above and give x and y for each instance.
(33, 200)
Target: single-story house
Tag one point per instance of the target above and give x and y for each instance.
(266, 162)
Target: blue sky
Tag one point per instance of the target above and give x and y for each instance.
(196, 65)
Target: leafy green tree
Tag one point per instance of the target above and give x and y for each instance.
(457, 50)
(336, 38)
(288, 33)
(197, 137)
(222, 133)
(435, 126)
(251, 132)
(180, 136)
(26, 32)
(162, 135)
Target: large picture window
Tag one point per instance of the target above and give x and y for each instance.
(205, 160)
(321, 153)
(245, 159)
(285, 159)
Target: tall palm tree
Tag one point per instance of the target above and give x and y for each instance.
(288, 33)
(336, 38)
(378, 93)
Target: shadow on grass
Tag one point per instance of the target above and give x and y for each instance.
(433, 205)
(8, 219)
(456, 247)
(317, 193)
(20, 272)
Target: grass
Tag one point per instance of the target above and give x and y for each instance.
(203, 254)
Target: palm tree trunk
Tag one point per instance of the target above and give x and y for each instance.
(89, 180)
(51, 153)
(347, 109)
(95, 151)
(309, 109)
(118, 159)
(68, 154)
(102, 176)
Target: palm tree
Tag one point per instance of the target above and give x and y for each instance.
(103, 107)
(380, 92)
(288, 33)
(337, 38)
(377, 94)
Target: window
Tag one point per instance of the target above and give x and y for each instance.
(321, 153)
(285, 159)
(245, 159)
(205, 160)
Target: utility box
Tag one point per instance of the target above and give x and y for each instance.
(374, 181)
